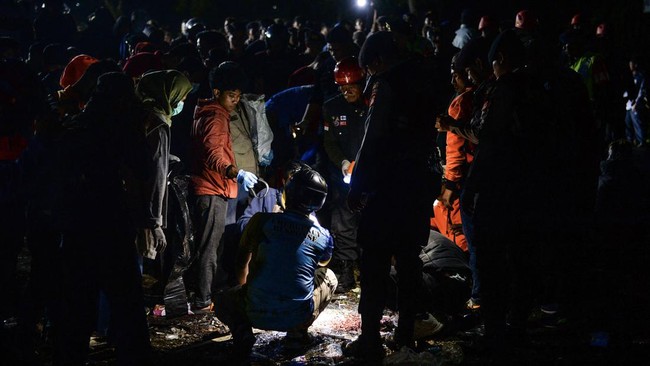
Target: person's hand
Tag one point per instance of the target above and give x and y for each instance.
(345, 166)
(159, 240)
(267, 158)
(442, 123)
(246, 179)
(151, 241)
(356, 201)
(447, 198)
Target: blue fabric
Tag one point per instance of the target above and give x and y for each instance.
(265, 202)
(280, 284)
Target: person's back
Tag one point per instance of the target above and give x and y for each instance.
(280, 281)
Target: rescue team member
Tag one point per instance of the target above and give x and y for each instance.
(283, 285)
(458, 157)
(344, 125)
(393, 187)
(215, 176)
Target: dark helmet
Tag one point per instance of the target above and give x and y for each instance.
(526, 20)
(305, 191)
(348, 71)
(193, 27)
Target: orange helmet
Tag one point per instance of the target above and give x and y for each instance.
(348, 71)
(526, 20)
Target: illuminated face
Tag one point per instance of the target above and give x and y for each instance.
(351, 92)
(458, 81)
(228, 98)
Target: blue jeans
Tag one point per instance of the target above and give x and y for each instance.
(634, 127)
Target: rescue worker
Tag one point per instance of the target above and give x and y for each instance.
(458, 156)
(163, 94)
(101, 148)
(343, 124)
(215, 176)
(282, 282)
(473, 59)
(508, 183)
(393, 188)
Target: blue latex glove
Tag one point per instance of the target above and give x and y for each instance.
(246, 179)
(267, 158)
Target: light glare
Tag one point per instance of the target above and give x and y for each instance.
(362, 3)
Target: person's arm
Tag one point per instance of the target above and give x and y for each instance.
(327, 254)
(215, 139)
(250, 239)
(367, 165)
(158, 142)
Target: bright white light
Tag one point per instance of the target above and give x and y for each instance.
(362, 3)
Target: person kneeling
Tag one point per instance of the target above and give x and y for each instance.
(283, 285)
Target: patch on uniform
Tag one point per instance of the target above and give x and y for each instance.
(343, 120)
(336, 122)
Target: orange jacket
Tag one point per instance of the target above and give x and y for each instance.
(457, 156)
(212, 151)
(445, 222)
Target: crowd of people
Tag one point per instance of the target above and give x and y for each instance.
(253, 167)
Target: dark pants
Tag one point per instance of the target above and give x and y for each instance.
(210, 218)
(390, 227)
(507, 256)
(468, 230)
(344, 227)
(94, 261)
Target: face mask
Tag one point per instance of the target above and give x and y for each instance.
(195, 87)
(178, 109)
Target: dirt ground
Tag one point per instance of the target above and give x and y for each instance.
(197, 340)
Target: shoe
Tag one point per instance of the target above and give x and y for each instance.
(407, 356)
(204, 310)
(297, 340)
(365, 350)
(473, 303)
(427, 327)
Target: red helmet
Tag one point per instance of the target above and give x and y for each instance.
(576, 20)
(485, 22)
(525, 20)
(348, 71)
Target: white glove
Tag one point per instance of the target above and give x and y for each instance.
(246, 179)
(345, 165)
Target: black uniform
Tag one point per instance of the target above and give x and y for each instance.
(343, 125)
(392, 173)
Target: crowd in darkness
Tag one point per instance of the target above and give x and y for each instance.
(128, 149)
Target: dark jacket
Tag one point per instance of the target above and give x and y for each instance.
(399, 135)
(344, 126)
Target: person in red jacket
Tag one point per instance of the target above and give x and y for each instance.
(215, 176)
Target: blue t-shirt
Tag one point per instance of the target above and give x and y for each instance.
(286, 250)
